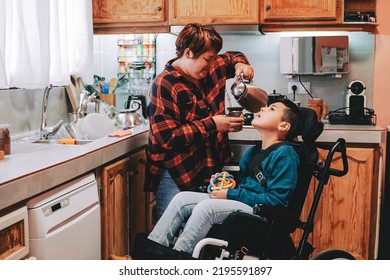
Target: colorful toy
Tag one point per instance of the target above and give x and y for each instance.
(220, 181)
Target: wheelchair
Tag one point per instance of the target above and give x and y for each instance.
(266, 234)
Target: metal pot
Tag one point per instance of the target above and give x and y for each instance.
(248, 95)
(129, 117)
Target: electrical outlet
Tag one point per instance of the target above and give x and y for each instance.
(300, 89)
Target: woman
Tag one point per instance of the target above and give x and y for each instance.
(188, 127)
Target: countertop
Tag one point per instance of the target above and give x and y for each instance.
(361, 134)
(33, 168)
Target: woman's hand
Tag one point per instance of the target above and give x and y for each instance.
(246, 69)
(222, 194)
(228, 124)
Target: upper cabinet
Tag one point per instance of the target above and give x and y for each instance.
(301, 11)
(316, 15)
(129, 16)
(213, 11)
(155, 16)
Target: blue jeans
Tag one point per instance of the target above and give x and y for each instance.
(201, 211)
(166, 190)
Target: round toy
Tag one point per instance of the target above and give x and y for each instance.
(220, 181)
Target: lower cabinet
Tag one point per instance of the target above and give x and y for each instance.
(346, 217)
(125, 208)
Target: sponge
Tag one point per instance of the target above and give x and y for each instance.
(1, 155)
(67, 141)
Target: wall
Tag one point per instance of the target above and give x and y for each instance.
(382, 62)
(263, 53)
(22, 108)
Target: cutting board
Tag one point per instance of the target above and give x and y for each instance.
(73, 96)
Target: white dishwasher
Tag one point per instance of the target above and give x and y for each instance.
(64, 223)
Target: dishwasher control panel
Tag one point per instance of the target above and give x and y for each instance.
(55, 207)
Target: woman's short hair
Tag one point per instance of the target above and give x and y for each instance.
(199, 39)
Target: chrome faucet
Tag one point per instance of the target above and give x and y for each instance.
(45, 132)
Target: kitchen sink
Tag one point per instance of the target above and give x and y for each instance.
(56, 141)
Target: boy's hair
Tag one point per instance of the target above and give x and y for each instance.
(199, 39)
(292, 114)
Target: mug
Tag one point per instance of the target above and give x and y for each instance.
(319, 106)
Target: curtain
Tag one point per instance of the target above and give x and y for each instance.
(45, 41)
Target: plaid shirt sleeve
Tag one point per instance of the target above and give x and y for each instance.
(183, 138)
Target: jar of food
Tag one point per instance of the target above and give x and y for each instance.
(5, 139)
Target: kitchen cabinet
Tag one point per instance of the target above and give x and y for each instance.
(313, 15)
(142, 204)
(129, 16)
(126, 209)
(115, 209)
(213, 12)
(346, 217)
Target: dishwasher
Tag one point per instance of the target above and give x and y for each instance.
(64, 223)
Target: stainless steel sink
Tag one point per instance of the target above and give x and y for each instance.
(55, 141)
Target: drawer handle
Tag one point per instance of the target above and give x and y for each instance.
(158, 9)
(268, 7)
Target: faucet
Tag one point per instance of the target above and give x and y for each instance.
(44, 131)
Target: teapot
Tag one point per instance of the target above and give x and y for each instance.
(248, 95)
(129, 117)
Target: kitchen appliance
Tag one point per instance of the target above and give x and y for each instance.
(356, 99)
(384, 224)
(141, 100)
(64, 223)
(274, 96)
(339, 116)
(129, 118)
(248, 95)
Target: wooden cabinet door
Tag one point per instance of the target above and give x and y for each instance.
(301, 11)
(129, 16)
(346, 215)
(115, 209)
(138, 203)
(213, 11)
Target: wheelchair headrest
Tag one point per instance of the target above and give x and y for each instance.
(310, 128)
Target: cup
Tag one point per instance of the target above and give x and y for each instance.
(234, 111)
(319, 106)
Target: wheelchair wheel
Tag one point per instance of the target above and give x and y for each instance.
(333, 254)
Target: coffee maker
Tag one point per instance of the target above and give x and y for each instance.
(356, 99)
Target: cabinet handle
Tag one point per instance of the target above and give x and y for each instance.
(158, 9)
(268, 7)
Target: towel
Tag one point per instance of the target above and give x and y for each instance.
(120, 133)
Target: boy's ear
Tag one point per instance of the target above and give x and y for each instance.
(284, 126)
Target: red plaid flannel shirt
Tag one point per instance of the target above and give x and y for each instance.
(183, 138)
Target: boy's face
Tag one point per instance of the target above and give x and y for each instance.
(270, 117)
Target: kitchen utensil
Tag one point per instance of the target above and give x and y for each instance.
(248, 95)
(73, 96)
(129, 117)
(140, 99)
(112, 85)
(234, 111)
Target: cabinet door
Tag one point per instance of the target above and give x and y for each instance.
(301, 11)
(213, 11)
(129, 16)
(346, 215)
(115, 209)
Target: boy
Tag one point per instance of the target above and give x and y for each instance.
(272, 184)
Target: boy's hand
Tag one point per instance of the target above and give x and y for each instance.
(222, 194)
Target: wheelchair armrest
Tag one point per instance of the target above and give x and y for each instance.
(278, 214)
